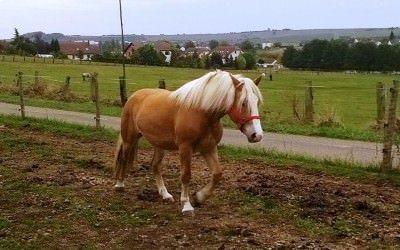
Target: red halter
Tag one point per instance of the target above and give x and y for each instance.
(240, 120)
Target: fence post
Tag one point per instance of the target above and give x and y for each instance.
(309, 103)
(95, 85)
(67, 81)
(36, 77)
(122, 90)
(389, 128)
(161, 84)
(21, 94)
(380, 102)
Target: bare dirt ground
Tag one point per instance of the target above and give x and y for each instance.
(56, 193)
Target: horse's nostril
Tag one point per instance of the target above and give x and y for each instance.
(253, 136)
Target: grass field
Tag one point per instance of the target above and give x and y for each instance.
(347, 100)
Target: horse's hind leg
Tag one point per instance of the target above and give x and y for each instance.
(185, 157)
(156, 164)
(213, 163)
(125, 157)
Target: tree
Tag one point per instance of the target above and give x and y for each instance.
(391, 36)
(54, 46)
(240, 62)
(41, 46)
(290, 57)
(247, 46)
(147, 55)
(216, 60)
(313, 54)
(213, 44)
(189, 44)
(250, 60)
(23, 45)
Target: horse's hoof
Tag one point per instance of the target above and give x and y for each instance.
(119, 189)
(187, 208)
(169, 199)
(188, 213)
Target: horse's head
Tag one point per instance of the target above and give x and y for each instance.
(244, 110)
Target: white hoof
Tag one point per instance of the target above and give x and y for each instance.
(168, 197)
(165, 195)
(119, 186)
(187, 208)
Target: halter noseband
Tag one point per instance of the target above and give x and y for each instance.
(240, 120)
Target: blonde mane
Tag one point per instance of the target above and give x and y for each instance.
(214, 92)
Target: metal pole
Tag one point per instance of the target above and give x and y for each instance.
(123, 87)
(122, 39)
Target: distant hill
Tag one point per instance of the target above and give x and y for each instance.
(286, 35)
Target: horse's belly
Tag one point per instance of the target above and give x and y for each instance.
(160, 142)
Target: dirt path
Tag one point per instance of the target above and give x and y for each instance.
(56, 193)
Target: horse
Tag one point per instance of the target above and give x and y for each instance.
(187, 120)
(86, 75)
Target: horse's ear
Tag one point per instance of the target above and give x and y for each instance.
(258, 79)
(236, 82)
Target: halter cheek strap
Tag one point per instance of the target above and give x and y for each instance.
(240, 120)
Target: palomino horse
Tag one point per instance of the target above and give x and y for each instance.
(187, 120)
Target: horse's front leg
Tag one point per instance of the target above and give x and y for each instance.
(211, 159)
(185, 156)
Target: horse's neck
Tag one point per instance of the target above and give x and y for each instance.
(216, 116)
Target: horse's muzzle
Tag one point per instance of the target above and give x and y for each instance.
(255, 137)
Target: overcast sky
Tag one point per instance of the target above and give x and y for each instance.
(151, 17)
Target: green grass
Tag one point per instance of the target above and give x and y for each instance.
(53, 126)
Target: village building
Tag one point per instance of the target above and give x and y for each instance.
(79, 50)
(232, 52)
(162, 47)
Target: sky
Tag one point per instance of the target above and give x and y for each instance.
(169, 17)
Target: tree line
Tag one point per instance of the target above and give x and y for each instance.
(23, 46)
(342, 55)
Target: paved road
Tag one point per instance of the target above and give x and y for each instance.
(323, 148)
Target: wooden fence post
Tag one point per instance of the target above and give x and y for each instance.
(67, 82)
(122, 90)
(380, 102)
(389, 128)
(95, 85)
(309, 103)
(21, 94)
(36, 77)
(161, 84)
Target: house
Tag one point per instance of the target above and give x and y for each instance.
(201, 51)
(131, 48)
(79, 50)
(229, 51)
(267, 63)
(267, 45)
(162, 47)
